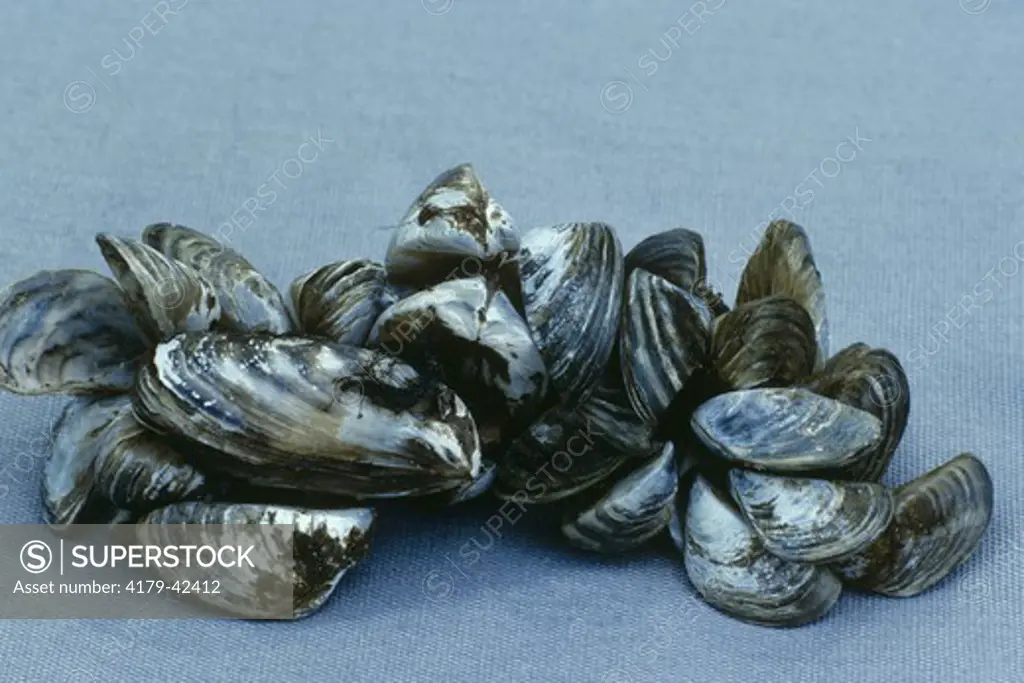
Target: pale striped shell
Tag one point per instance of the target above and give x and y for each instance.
(633, 511)
(67, 331)
(730, 567)
(165, 296)
(811, 520)
(572, 289)
(250, 302)
(785, 430)
(304, 414)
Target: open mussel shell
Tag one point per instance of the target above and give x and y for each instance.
(872, 380)
(811, 520)
(323, 543)
(939, 521)
(136, 469)
(633, 511)
(767, 342)
(572, 287)
(67, 484)
(454, 229)
(310, 415)
(250, 302)
(481, 345)
(728, 564)
(785, 430)
(567, 451)
(664, 339)
(67, 331)
(783, 265)
(165, 296)
(341, 301)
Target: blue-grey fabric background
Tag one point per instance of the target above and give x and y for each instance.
(112, 117)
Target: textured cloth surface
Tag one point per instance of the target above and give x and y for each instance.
(644, 115)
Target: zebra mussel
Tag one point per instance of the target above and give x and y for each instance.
(616, 390)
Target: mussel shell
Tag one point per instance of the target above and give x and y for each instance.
(453, 229)
(67, 331)
(872, 380)
(165, 296)
(324, 543)
(341, 301)
(620, 429)
(811, 520)
(633, 511)
(939, 521)
(250, 302)
(785, 430)
(686, 466)
(732, 570)
(572, 288)
(763, 343)
(479, 486)
(783, 264)
(558, 456)
(664, 339)
(483, 348)
(305, 414)
(67, 483)
(676, 255)
(138, 470)
(567, 451)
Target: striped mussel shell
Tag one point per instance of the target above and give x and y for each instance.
(769, 342)
(663, 341)
(68, 493)
(306, 414)
(939, 520)
(67, 331)
(293, 567)
(342, 300)
(573, 281)
(874, 381)
(811, 520)
(783, 265)
(729, 565)
(139, 470)
(166, 296)
(634, 510)
(455, 229)
(249, 301)
(471, 334)
(785, 430)
(677, 256)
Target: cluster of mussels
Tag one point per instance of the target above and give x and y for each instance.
(550, 368)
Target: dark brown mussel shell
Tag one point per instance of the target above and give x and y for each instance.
(764, 343)
(783, 264)
(874, 381)
(939, 521)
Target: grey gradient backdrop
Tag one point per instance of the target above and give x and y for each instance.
(751, 101)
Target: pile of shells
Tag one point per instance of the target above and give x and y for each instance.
(617, 390)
